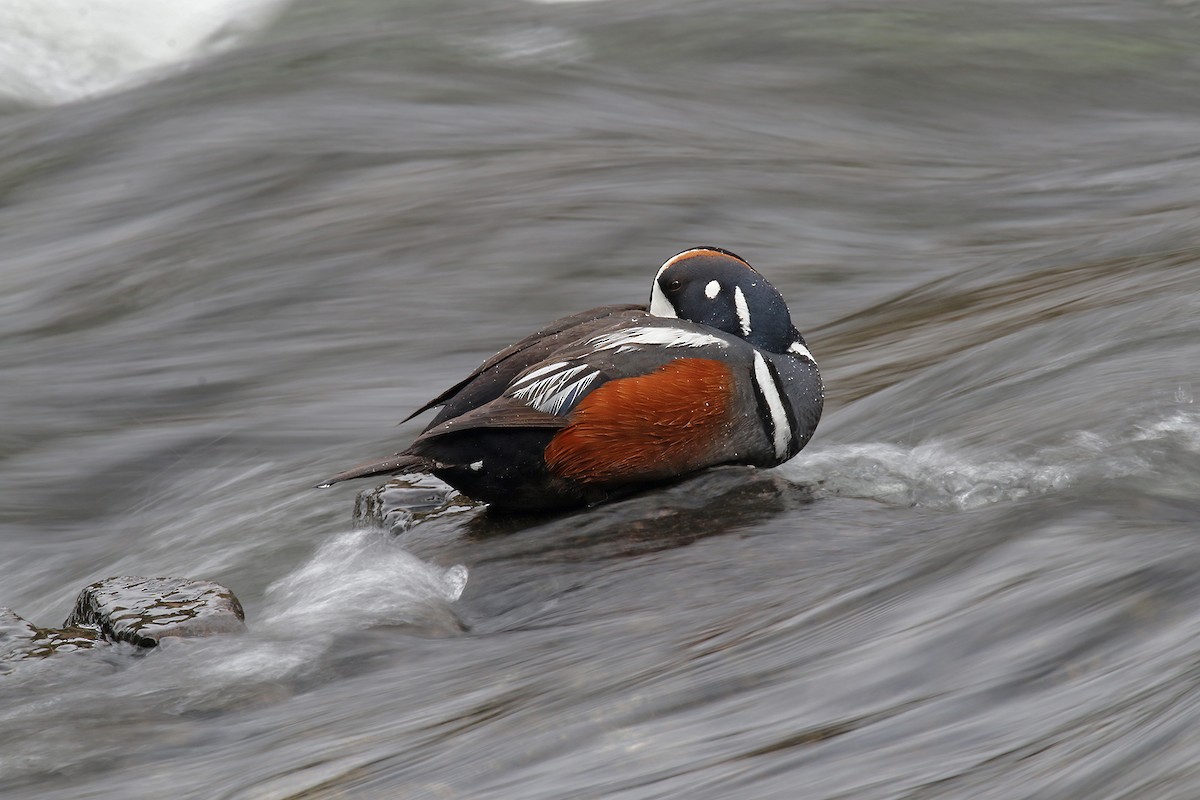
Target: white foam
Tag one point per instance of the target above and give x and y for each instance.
(538, 45)
(940, 476)
(354, 581)
(56, 51)
(359, 579)
(928, 475)
(1180, 428)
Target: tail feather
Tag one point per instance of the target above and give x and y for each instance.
(401, 462)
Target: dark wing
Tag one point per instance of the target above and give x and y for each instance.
(470, 403)
(639, 400)
(492, 377)
(502, 412)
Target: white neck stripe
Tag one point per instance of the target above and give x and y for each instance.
(770, 391)
(800, 350)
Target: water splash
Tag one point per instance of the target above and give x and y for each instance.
(364, 578)
(941, 476)
(57, 51)
(931, 475)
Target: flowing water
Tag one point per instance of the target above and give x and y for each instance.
(237, 249)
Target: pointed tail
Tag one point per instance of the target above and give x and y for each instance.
(401, 462)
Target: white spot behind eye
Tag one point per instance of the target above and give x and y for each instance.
(712, 289)
(743, 310)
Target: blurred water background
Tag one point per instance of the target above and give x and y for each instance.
(241, 239)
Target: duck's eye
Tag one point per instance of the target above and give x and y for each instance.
(674, 286)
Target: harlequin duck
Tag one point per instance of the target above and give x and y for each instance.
(612, 400)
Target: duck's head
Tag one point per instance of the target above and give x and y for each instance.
(714, 287)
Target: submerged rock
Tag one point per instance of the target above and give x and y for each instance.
(401, 503)
(139, 611)
(20, 638)
(142, 611)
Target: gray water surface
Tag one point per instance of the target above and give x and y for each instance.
(980, 580)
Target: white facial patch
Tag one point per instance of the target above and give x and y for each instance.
(712, 289)
(556, 390)
(633, 338)
(770, 391)
(743, 310)
(660, 306)
(798, 349)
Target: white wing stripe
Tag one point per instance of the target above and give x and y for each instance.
(550, 384)
(550, 394)
(540, 372)
(570, 393)
(633, 338)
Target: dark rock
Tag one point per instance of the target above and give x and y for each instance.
(143, 611)
(402, 502)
